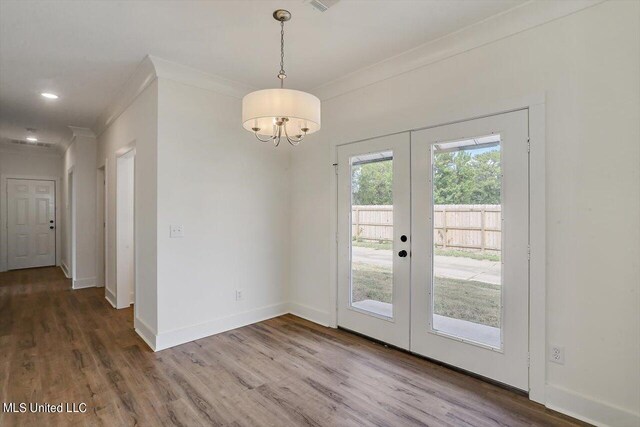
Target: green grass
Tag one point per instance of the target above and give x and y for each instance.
(371, 282)
(489, 256)
(473, 301)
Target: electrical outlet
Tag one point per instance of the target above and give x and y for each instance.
(556, 354)
(176, 231)
(239, 295)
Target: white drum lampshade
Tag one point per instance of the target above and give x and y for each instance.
(262, 109)
(274, 114)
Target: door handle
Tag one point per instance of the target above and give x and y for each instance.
(52, 227)
(402, 253)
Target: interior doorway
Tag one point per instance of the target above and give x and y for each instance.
(433, 238)
(125, 232)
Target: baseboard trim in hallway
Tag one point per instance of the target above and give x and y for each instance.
(88, 282)
(145, 332)
(110, 297)
(65, 270)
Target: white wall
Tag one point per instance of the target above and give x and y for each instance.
(231, 194)
(137, 126)
(27, 161)
(80, 158)
(588, 65)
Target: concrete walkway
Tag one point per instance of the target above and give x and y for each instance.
(464, 329)
(445, 266)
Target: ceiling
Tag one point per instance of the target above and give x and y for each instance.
(85, 51)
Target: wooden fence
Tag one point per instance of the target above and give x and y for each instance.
(472, 227)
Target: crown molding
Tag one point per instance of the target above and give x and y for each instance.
(144, 74)
(497, 27)
(152, 68)
(10, 148)
(190, 76)
(81, 132)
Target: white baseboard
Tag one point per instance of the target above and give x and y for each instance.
(316, 316)
(65, 270)
(589, 410)
(88, 282)
(109, 296)
(145, 332)
(183, 335)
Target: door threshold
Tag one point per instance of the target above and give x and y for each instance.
(439, 363)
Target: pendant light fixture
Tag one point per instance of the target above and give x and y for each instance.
(275, 113)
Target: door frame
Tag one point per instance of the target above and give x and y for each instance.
(101, 226)
(535, 104)
(125, 152)
(4, 241)
(70, 224)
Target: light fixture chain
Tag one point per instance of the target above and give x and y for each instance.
(282, 73)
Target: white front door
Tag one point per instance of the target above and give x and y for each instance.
(433, 229)
(470, 232)
(373, 229)
(31, 223)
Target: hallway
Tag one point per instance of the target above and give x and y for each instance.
(59, 345)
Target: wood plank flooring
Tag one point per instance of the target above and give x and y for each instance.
(59, 345)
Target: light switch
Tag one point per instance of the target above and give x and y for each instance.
(176, 231)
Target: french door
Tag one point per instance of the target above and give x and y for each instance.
(433, 243)
(374, 269)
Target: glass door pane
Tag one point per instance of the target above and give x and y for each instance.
(466, 292)
(372, 233)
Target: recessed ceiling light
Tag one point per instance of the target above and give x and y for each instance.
(32, 139)
(49, 95)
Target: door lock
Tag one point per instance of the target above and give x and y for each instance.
(402, 253)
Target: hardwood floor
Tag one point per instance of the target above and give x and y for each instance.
(59, 345)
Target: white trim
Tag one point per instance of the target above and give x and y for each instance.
(190, 76)
(70, 221)
(511, 22)
(589, 410)
(333, 256)
(142, 77)
(323, 318)
(152, 68)
(11, 148)
(107, 276)
(126, 152)
(109, 296)
(4, 241)
(65, 270)
(145, 332)
(191, 333)
(79, 132)
(537, 258)
(101, 220)
(88, 282)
